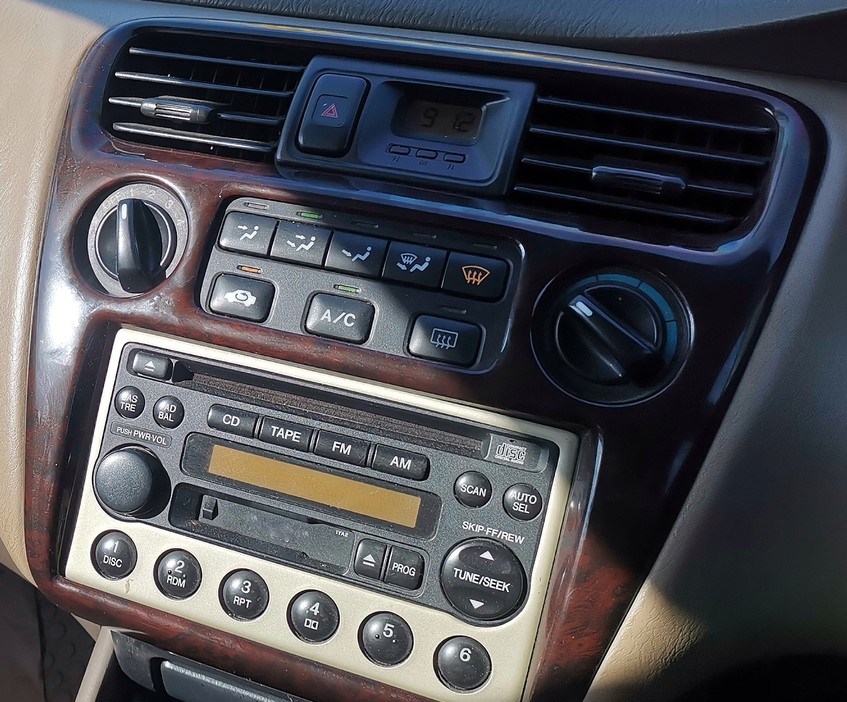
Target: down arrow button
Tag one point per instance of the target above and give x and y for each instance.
(483, 579)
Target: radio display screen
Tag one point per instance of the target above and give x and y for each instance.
(330, 490)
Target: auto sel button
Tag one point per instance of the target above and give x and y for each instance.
(523, 502)
(342, 448)
(483, 579)
(242, 298)
(231, 420)
(406, 464)
(340, 318)
(445, 340)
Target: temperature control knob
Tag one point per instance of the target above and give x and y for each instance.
(612, 337)
(132, 481)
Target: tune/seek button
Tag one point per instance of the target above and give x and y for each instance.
(483, 579)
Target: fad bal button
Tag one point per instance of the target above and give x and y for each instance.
(178, 574)
(168, 412)
(483, 579)
(114, 555)
(472, 489)
(244, 595)
(523, 502)
(313, 616)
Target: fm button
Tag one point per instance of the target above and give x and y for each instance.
(483, 579)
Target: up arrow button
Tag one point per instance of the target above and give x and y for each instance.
(487, 556)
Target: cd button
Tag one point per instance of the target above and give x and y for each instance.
(405, 569)
(406, 464)
(369, 559)
(231, 420)
(286, 434)
(342, 448)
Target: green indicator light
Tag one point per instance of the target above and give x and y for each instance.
(310, 215)
(348, 289)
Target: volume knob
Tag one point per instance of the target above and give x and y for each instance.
(132, 481)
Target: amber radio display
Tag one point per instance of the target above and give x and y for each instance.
(361, 498)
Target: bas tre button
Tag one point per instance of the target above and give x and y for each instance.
(244, 595)
(129, 402)
(483, 579)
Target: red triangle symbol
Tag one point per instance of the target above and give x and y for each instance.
(331, 111)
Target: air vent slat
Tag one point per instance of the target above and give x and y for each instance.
(654, 116)
(136, 51)
(649, 146)
(629, 206)
(179, 135)
(644, 159)
(223, 96)
(187, 83)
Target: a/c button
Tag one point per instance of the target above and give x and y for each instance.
(339, 317)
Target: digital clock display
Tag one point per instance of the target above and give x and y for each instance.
(440, 121)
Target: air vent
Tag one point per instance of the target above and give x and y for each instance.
(216, 95)
(642, 157)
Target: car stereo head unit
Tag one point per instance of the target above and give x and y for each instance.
(323, 515)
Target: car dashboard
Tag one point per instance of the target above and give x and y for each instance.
(355, 362)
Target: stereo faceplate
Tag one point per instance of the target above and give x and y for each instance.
(433, 616)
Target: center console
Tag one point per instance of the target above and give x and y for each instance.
(378, 369)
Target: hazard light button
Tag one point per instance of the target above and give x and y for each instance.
(483, 579)
(331, 114)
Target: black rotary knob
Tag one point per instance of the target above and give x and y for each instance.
(135, 244)
(612, 337)
(132, 481)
